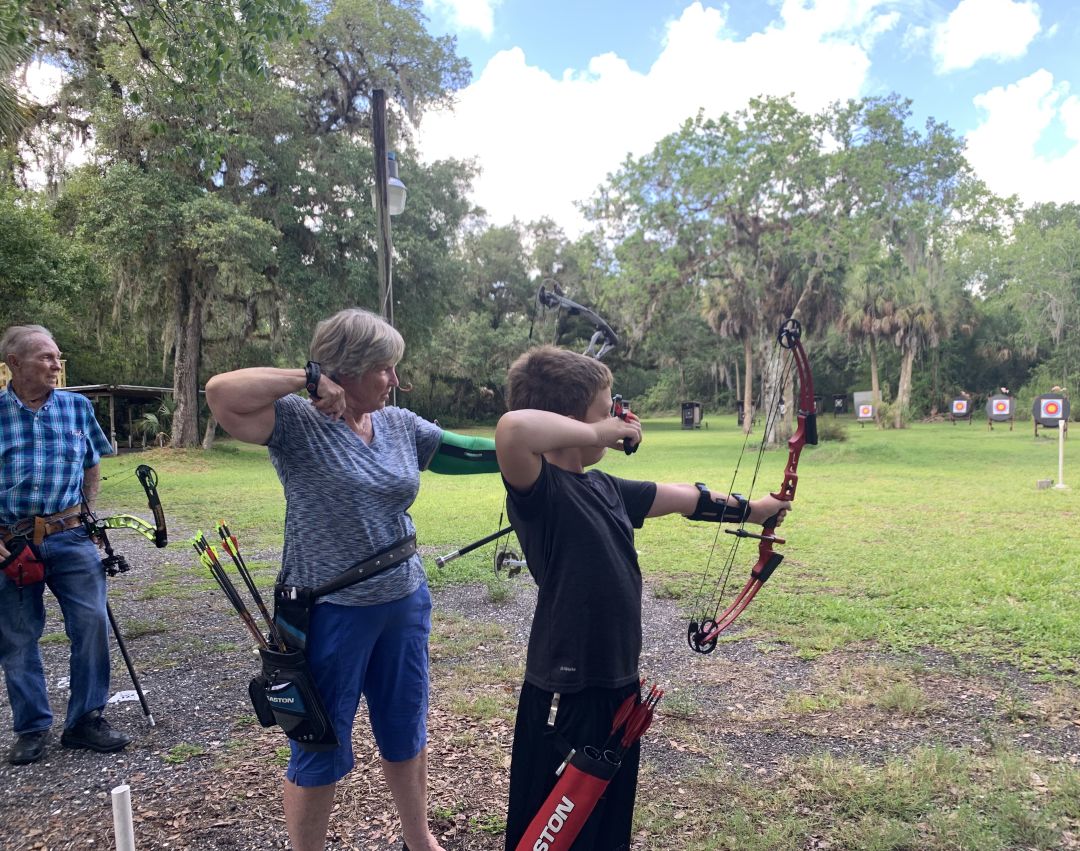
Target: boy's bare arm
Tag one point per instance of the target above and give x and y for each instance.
(523, 436)
(683, 499)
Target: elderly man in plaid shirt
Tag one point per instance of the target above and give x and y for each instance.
(50, 448)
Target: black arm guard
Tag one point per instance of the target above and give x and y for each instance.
(719, 512)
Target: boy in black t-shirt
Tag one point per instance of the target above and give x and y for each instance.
(577, 532)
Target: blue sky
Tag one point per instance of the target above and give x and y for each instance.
(563, 91)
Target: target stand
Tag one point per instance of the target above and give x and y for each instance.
(1051, 410)
(1000, 409)
(960, 409)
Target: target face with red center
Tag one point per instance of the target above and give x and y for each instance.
(960, 407)
(999, 408)
(866, 412)
(1050, 410)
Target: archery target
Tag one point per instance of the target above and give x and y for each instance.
(866, 412)
(999, 408)
(1050, 409)
(960, 407)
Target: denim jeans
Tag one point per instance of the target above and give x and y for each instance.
(76, 578)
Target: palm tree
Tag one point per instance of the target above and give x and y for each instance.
(14, 51)
(860, 319)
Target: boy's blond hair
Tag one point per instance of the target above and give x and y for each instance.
(552, 379)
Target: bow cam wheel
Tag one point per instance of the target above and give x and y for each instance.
(508, 564)
(696, 633)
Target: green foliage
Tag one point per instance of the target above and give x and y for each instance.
(223, 217)
(155, 425)
(39, 270)
(14, 113)
(224, 201)
(831, 428)
(181, 753)
(181, 44)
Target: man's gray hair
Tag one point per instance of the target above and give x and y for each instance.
(16, 338)
(352, 341)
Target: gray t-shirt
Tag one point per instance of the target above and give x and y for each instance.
(346, 500)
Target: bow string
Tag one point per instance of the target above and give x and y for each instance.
(705, 626)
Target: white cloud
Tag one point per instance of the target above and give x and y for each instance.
(984, 29)
(1070, 117)
(461, 15)
(1002, 149)
(544, 142)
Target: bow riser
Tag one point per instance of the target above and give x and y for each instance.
(603, 339)
(97, 527)
(159, 537)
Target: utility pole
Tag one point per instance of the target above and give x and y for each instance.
(384, 244)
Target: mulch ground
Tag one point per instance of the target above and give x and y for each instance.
(208, 777)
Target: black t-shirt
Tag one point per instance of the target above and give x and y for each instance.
(577, 533)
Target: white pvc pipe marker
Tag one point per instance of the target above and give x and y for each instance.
(1062, 427)
(121, 816)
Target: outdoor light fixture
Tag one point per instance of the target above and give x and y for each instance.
(395, 189)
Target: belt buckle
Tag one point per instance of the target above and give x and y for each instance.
(20, 528)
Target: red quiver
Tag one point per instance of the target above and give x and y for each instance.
(564, 813)
(24, 565)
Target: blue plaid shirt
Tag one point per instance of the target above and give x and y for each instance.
(43, 454)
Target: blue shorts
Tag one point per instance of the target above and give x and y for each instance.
(379, 651)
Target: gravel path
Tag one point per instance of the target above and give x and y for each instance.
(207, 777)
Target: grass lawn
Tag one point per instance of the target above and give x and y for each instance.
(823, 730)
(935, 535)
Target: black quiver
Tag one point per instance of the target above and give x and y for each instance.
(284, 693)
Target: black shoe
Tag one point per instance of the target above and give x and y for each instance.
(92, 731)
(29, 747)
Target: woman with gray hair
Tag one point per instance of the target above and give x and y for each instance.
(350, 466)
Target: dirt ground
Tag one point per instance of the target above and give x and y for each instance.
(208, 777)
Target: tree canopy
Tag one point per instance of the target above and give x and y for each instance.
(226, 208)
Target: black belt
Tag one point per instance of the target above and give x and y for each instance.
(401, 551)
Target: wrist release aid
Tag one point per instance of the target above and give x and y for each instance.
(719, 512)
